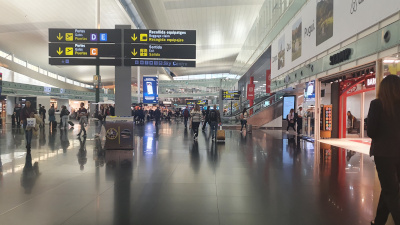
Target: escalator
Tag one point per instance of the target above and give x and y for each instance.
(261, 113)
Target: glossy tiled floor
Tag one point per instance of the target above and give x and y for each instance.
(262, 178)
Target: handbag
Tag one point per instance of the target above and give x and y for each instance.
(30, 122)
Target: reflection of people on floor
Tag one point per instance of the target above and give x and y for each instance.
(82, 158)
(349, 155)
(213, 156)
(29, 174)
(64, 139)
(99, 153)
(195, 157)
(52, 141)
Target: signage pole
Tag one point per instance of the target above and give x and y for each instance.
(138, 84)
(98, 66)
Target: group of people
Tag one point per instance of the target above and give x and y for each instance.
(294, 118)
(211, 117)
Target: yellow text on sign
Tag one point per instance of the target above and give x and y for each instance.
(69, 51)
(143, 37)
(69, 36)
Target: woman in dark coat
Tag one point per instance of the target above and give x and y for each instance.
(384, 129)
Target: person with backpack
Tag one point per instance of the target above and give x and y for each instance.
(157, 115)
(196, 119)
(243, 119)
(64, 116)
(186, 116)
(214, 120)
(26, 113)
(206, 118)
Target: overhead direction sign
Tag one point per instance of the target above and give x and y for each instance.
(231, 95)
(84, 50)
(160, 63)
(84, 62)
(142, 36)
(85, 35)
(160, 51)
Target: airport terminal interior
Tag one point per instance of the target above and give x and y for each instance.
(195, 111)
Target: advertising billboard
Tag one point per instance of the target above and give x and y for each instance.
(150, 90)
(309, 91)
(288, 104)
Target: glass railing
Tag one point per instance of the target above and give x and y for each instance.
(260, 106)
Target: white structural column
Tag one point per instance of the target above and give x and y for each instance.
(138, 84)
(317, 109)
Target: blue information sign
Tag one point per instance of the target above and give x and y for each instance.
(150, 90)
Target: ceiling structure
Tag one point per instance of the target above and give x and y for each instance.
(222, 27)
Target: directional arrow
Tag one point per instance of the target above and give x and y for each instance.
(134, 53)
(59, 52)
(134, 38)
(59, 37)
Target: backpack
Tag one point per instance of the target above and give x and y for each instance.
(213, 116)
(186, 113)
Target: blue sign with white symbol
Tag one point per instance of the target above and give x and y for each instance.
(150, 90)
(103, 36)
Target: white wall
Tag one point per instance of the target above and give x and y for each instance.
(274, 123)
(44, 100)
(369, 96)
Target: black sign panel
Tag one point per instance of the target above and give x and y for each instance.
(84, 62)
(231, 95)
(159, 63)
(84, 50)
(160, 36)
(160, 51)
(85, 35)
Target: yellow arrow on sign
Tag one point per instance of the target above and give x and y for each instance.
(59, 37)
(59, 52)
(134, 38)
(134, 53)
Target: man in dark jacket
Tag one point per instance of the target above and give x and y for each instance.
(157, 115)
(186, 115)
(17, 111)
(206, 118)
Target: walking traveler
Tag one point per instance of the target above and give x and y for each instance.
(196, 119)
(157, 115)
(17, 111)
(206, 118)
(83, 119)
(291, 120)
(52, 117)
(64, 116)
(186, 116)
(25, 114)
(215, 119)
(243, 119)
(43, 115)
(384, 129)
(299, 120)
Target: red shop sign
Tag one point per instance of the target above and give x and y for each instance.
(250, 91)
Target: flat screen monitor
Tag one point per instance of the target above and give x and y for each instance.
(288, 104)
(309, 91)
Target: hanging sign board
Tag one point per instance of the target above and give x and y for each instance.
(141, 36)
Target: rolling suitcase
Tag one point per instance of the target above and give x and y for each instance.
(220, 134)
(249, 128)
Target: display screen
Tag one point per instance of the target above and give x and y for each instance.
(309, 92)
(231, 95)
(288, 104)
(150, 90)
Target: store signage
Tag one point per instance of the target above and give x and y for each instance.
(202, 102)
(160, 51)
(268, 82)
(155, 63)
(84, 62)
(150, 90)
(84, 50)
(321, 25)
(85, 35)
(250, 91)
(231, 95)
(370, 82)
(191, 102)
(47, 89)
(340, 57)
(160, 36)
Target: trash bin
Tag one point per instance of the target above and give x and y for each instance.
(119, 133)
